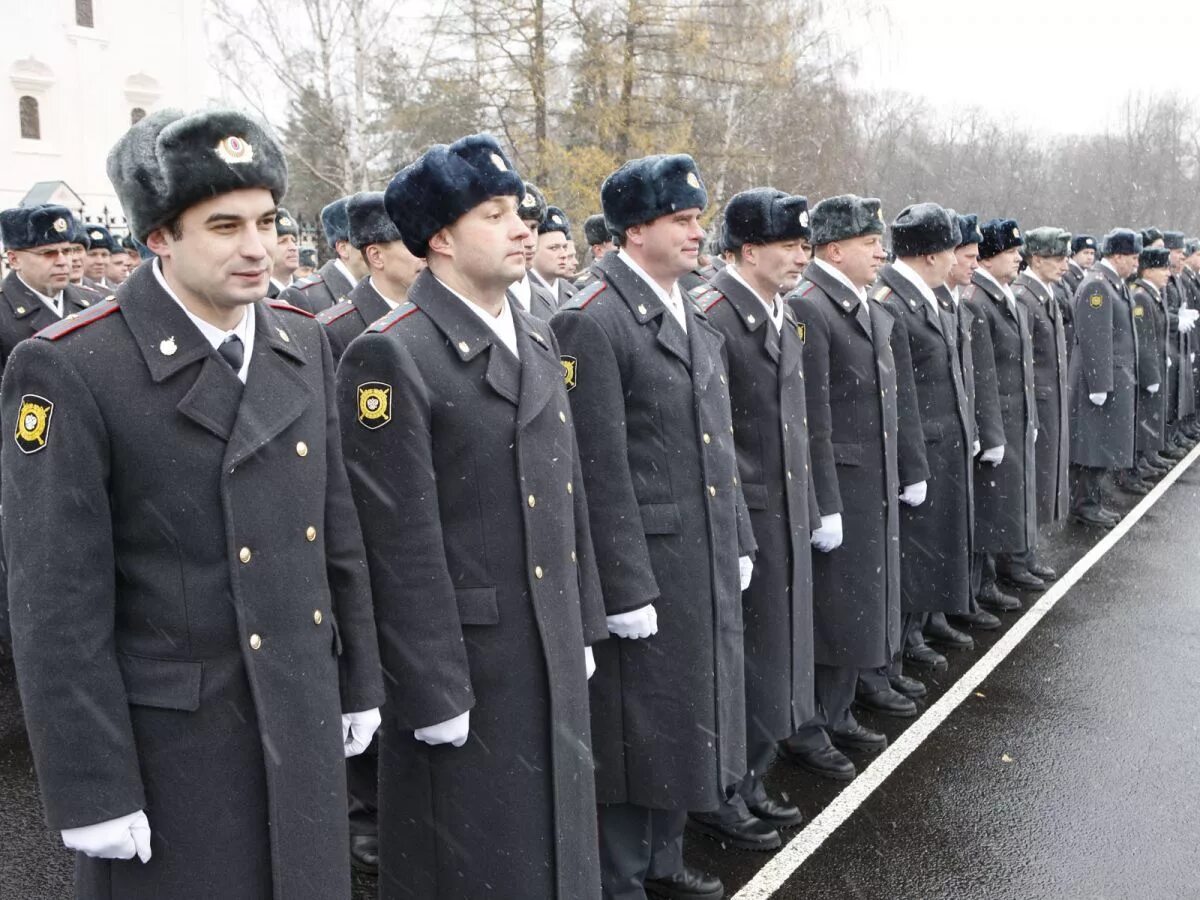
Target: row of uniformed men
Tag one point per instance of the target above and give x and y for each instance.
(643, 469)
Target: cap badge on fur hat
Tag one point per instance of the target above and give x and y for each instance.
(234, 150)
(804, 218)
(285, 222)
(1016, 232)
(96, 236)
(499, 163)
(60, 225)
(693, 180)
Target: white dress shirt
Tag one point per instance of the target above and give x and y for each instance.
(503, 325)
(214, 335)
(672, 300)
(774, 309)
(54, 304)
(341, 267)
(523, 291)
(860, 293)
(1007, 291)
(392, 304)
(909, 274)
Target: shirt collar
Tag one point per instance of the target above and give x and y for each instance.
(341, 267)
(504, 325)
(392, 304)
(522, 290)
(214, 335)
(1004, 288)
(669, 298)
(55, 302)
(1110, 267)
(909, 274)
(774, 308)
(825, 267)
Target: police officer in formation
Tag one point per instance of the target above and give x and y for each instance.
(605, 548)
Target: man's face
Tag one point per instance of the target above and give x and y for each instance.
(530, 245)
(568, 260)
(966, 261)
(399, 265)
(1085, 258)
(1193, 261)
(117, 269)
(552, 249)
(287, 254)
(598, 250)
(1048, 268)
(224, 251)
(97, 264)
(487, 244)
(780, 263)
(859, 258)
(1005, 266)
(1157, 277)
(78, 256)
(669, 246)
(1125, 264)
(807, 247)
(940, 265)
(1176, 261)
(46, 269)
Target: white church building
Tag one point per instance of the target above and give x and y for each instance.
(75, 74)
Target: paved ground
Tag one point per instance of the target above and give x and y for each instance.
(1069, 773)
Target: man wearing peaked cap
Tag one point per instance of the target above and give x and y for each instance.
(867, 452)
(101, 246)
(208, 660)
(553, 259)
(763, 349)
(668, 701)
(459, 444)
(530, 293)
(1150, 326)
(1006, 405)
(1083, 257)
(392, 270)
(287, 252)
(935, 530)
(1104, 377)
(336, 278)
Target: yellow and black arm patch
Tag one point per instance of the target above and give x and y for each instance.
(570, 371)
(33, 423)
(374, 404)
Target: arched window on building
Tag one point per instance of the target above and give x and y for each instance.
(31, 120)
(136, 115)
(83, 14)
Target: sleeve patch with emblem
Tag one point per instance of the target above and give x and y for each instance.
(801, 331)
(374, 404)
(33, 423)
(1096, 301)
(570, 371)
(1138, 312)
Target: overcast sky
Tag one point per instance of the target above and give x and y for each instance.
(1029, 61)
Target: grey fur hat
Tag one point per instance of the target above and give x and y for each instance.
(1047, 241)
(532, 206)
(26, 227)
(1122, 242)
(924, 228)
(170, 161)
(1174, 240)
(369, 220)
(595, 230)
(646, 189)
(763, 216)
(556, 220)
(968, 227)
(285, 223)
(845, 216)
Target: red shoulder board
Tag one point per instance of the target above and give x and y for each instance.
(403, 311)
(707, 299)
(287, 307)
(585, 296)
(75, 321)
(316, 279)
(811, 285)
(331, 314)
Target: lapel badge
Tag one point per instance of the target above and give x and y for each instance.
(570, 371)
(800, 332)
(20, 310)
(168, 347)
(1096, 301)
(750, 319)
(374, 404)
(283, 335)
(464, 347)
(33, 423)
(641, 309)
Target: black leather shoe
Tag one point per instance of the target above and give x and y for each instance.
(1023, 579)
(981, 620)
(689, 884)
(1092, 520)
(749, 833)
(1160, 462)
(777, 813)
(1111, 514)
(859, 738)
(1043, 572)
(1133, 486)
(364, 853)
(909, 687)
(945, 636)
(890, 703)
(828, 762)
(994, 598)
(1173, 452)
(926, 656)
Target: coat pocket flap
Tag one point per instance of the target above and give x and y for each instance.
(477, 606)
(756, 495)
(1044, 391)
(660, 518)
(932, 432)
(162, 683)
(847, 454)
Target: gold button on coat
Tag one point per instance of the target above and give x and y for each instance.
(317, 617)
(255, 642)
(244, 554)
(712, 491)
(537, 572)
(302, 449)
(532, 501)
(562, 416)
(570, 488)
(310, 533)
(708, 438)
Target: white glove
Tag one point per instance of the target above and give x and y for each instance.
(357, 730)
(975, 449)
(1153, 389)
(117, 838)
(829, 535)
(993, 455)
(1193, 358)
(745, 570)
(1170, 362)
(452, 731)
(639, 623)
(1187, 319)
(1035, 434)
(1098, 399)
(589, 662)
(914, 494)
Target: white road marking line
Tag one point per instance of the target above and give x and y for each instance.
(784, 864)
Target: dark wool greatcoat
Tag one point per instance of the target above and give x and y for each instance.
(327, 288)
(770, 427)
(1105, 361)
(1150, 325)
(348, 319)
(542, 302)
(193, 653)
(1005, 495)
(1064, 293)
(656, 438)
(1052, 449)
(966, 360)
(1073, 275)
(935, 537)
(1181, 384)
(859, 464)
(1191, 284)
(467, 479)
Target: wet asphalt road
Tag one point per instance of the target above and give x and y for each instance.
(1095, 711)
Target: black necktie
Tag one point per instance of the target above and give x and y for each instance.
(233, 351)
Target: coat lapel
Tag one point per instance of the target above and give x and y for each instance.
(368, 301)
(844, 298)
(645, 305)
(541, 370)
(749, 309)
